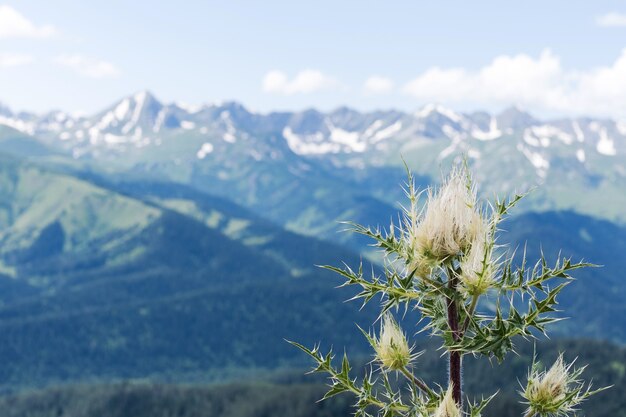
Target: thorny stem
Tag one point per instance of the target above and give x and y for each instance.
(530, 413)
(375, 402)
(470, 313)
(371, 401)
(432, 282)
(418, 382)
(454, 356)
(391, 290)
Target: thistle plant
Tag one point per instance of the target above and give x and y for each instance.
(442, 263)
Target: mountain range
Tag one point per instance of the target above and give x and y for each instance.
(156, 239)
(288, 166)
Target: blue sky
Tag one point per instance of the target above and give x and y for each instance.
(552, 58)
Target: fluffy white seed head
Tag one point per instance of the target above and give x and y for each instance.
(477, 266)
(448, 407)
(392, 348)
(546, 390)
(446, 228)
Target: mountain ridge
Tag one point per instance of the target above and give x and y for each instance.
(128, 112)
(308, 170)
(345, 135)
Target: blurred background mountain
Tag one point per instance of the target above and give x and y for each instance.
(154, 255)
(150, 242)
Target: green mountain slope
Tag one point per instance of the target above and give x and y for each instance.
(134, 279)
(16, 143)
(44, 213)
(153, 291)
(595, 300)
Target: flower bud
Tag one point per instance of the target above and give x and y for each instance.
(392, 348)
(477, 267)
(446, 227)
(448, 407)
(551, 392)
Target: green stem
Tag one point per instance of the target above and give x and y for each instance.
(470, 313)
(374, 401)
(530, 413)
(370, 400)
(418, 382)
(390, 290)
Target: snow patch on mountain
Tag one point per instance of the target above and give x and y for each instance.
(605, 145)
(139, 99)
(548, 131)
(429, 109)
(309, 144)
(137, 135)
(387, 132)
(344, 137)
(229, 135)
(376, 132)
(473, 153)
(189, 108)
(373, 128)
(452, 133)
(187, 125)
(17, 124)
(158, 122)
(108, 120)
(60, 117)
(122, 109)
(530, 139)
(447, 151)
(456, 137)
(491, 134)
(580, 136)
(204, 150)
(112, 139)
(540, 163)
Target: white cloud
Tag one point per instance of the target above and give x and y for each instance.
(611, 19)
(88, 67)
(378, 85)
(14, 60)
(307, 81)
(14, 25)
(536, 83)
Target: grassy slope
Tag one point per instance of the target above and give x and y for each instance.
(204, 271)
(594, 302)
(119, 304)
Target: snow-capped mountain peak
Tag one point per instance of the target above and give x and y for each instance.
(346, 136)
(430, 109)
